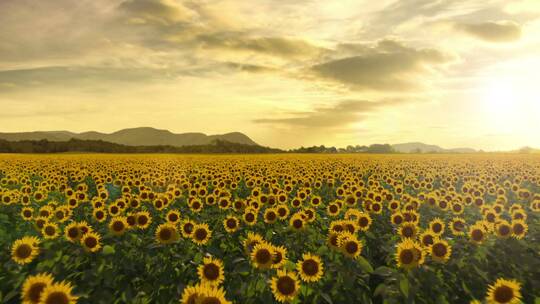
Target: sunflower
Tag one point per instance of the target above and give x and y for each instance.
(211, 271)
(250, 216)
(408, 230)
(262, 256)
(350, 245)
(457, 226)
(33, 287)
(397, 218)
(409, 254)
(192, 294)
(50, 230)
(427, 238)
(503, 229)
(186, 228)
(477, 233)
(99, 215)
(440, 251)
(91, 241)
(84, 227)
(280, 257)
(27, 213)
(270, 216)
(437, 226)
(166, 233)
(201, 234)
(252, 240)
(118, 225)
(231, 224)
(57, 293)
(212, 295)
(332, 209)
(519, 229)
(143, 219)
(24, 250)
(285, 286)
(173, 216)
(332, 240)
(297, 222)
(310, 268)
(504, 291)
(363, 221)
(72, 232)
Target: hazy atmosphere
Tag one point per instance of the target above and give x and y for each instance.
(286, 73)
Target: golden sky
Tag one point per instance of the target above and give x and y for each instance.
(457, 73)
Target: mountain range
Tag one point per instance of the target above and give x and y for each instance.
(143, 136)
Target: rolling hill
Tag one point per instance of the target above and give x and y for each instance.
(424, 148)
(144, 136)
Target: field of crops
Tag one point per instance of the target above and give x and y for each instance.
(269, 228)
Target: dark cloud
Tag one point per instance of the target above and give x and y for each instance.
(251, 68)
(501, 31)
(342, 114)
(388, 65)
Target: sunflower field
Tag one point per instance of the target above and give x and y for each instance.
(284, 228)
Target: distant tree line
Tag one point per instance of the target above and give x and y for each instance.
(99, 146)
(375, 148)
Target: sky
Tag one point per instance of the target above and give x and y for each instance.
(287, 73)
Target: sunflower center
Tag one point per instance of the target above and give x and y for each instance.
(406, 256)
(231, 223)
(200, 234)
(118, 226)
(165, 234)
(351, 247)
(286, 285)
(363, 222)
(90, 242)
(211, 272)
(333, 208)
(428, 240)
(73, 232)
(49, 230)
(211, 300)
(27, 213)
(271, 216)
(35, 291)
(439, 249)
(503, 294)
(277, 257)
(408, 231)
(57, 297)
(310, 267)
(250, 217)
(518, 229)
(504, 230)
(23, 251)
(436, 227)
(173, 217)
(142, 220)
(263, 256)
(297, 223)
(282, 212)
(477, 235)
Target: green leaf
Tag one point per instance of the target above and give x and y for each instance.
(383, 271)
(404, 286)
(327, 298)
(364, 264)
(379, 291)
(108, 250)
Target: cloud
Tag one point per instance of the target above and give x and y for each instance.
(341, 114)
(388, 65)
(163, 12)
(275, 46)
(498, 32)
